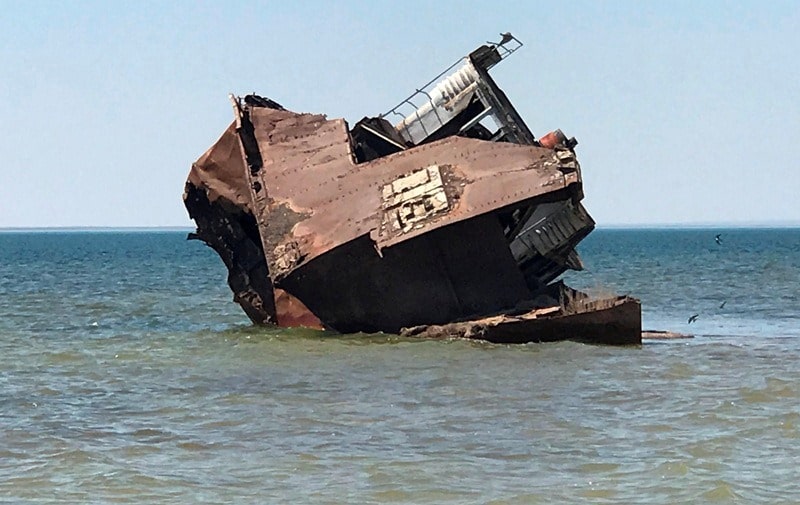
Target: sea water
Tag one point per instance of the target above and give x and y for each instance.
(128, 375)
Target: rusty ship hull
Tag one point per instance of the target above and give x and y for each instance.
(453, 215)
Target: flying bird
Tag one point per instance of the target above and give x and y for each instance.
(718, 239)
(693, 318)
(721, 305)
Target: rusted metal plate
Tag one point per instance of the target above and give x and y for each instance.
(313, 197)
(220, 171)
(612, 321)
(218, 199)
(291, 312)
(664, 335)
(452, 273)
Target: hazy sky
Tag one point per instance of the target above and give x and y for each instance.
(686, 112)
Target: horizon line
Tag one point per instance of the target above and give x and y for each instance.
(640, 226)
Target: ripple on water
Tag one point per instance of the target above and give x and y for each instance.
(174, 398)
(673, 469)
(756, 396)
(782, 388)
(789, 424)
(598, 467)
(721, 492)
(594, 492)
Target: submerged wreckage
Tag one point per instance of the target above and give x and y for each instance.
(451, 221)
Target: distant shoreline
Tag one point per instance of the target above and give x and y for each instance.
(703, 226)
(96, 229)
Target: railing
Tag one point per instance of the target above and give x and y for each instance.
(422, 96)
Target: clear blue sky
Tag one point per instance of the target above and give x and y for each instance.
(686, 112)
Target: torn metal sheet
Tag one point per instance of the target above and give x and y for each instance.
(613, 320)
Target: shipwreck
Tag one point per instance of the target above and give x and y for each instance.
(443, 217)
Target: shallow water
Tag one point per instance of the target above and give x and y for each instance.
(130, 376)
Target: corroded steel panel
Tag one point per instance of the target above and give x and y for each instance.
(311, 196)
(220, 170)
(449, 274)
(218, 199)
(610, 321)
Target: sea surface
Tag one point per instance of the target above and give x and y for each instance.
(128, 375)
